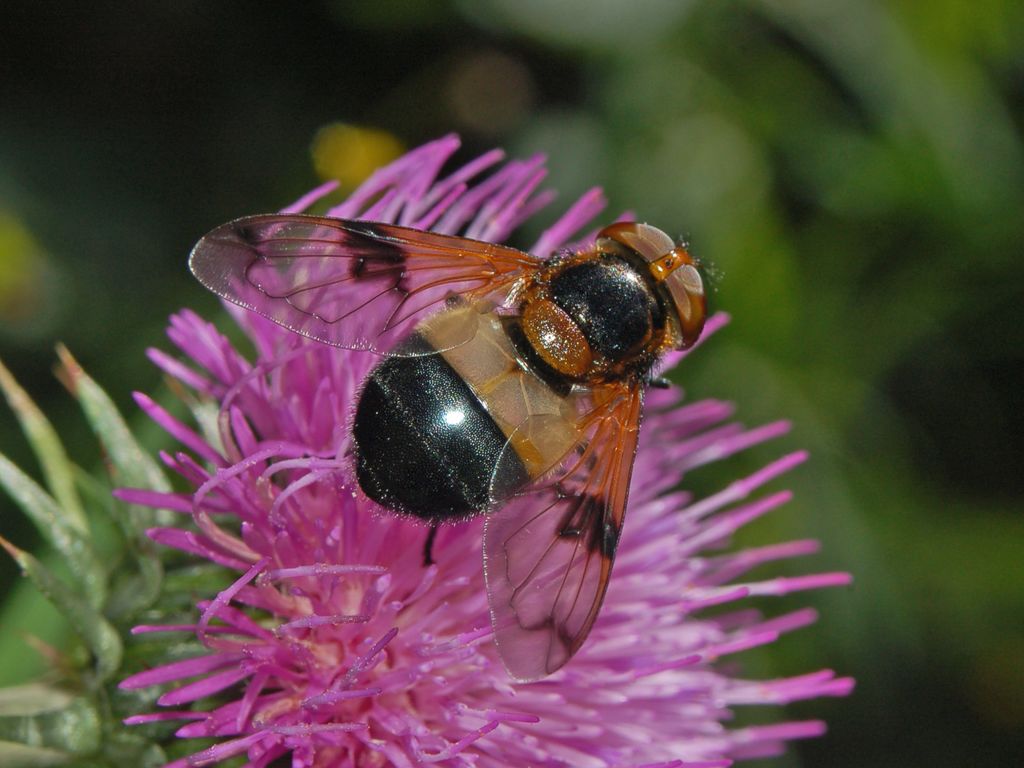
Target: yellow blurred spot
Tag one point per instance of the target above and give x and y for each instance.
(22, 267)
(349, 153)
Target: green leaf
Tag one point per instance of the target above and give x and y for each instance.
(136, 590)
(123, 749)
(56, 527)
(27, 618)
(14, 755)
(147, 575)
(32, 698)
(95, 631)
(132, 465)
(74, 728)
(48, 449)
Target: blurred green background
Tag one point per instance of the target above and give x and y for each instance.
(853, 170)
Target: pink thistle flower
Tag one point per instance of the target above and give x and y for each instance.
(334, 645)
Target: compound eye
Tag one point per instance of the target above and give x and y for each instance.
(670, 265)
(686, 287)
(650, 242)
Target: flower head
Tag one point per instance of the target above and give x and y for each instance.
(336, 646)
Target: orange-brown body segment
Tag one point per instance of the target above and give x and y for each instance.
(556, 338)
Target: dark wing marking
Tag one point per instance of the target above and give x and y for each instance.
(354, 284)
(548, 552)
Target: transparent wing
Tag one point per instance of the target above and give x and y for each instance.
(354, 284)
(548, 552)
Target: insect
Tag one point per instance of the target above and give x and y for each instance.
(510, 385)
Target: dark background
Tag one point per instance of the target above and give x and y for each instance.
(853, 170)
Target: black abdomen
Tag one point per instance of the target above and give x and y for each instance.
(425, 445)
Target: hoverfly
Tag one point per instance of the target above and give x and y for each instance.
(510, 386)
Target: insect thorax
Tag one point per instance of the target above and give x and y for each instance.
(594, 318)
